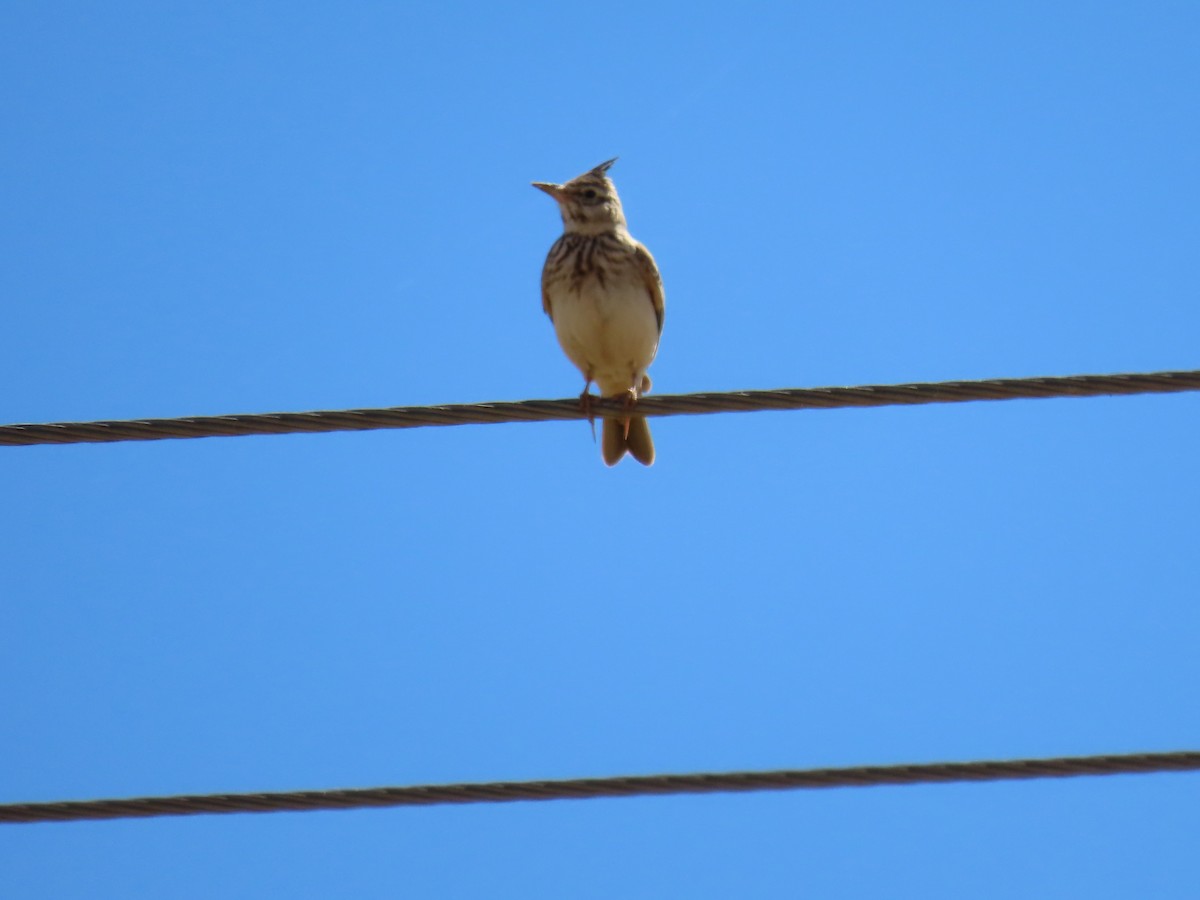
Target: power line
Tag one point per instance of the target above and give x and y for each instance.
(560, 410)
(589, 788)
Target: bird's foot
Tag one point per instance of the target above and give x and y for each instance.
(629, 401)
(585, 406)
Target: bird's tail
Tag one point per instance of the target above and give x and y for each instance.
(621, 435)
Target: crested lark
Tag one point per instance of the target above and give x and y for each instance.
(602, 291)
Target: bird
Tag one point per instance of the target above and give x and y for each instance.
(603, 292)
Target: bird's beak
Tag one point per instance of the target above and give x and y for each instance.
(554, 190)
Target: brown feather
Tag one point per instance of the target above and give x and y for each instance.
(638, 442)
(612, 441)
(649, 272)
(630, 435)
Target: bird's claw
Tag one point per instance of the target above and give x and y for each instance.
(585, 406)
(629, 402)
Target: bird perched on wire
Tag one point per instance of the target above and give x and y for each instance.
(602, 291)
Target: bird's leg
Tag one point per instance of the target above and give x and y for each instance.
(585, 404)
(630, 401)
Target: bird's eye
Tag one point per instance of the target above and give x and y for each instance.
(589, 194)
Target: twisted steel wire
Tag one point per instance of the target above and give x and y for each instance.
(560, 410)
(587, 788)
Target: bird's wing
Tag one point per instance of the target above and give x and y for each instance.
(649, 272)
(546, 272)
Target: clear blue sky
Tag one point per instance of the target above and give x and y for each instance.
(227, 207)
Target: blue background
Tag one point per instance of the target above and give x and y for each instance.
(227, 207)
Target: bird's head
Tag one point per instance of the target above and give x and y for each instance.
(589, 203)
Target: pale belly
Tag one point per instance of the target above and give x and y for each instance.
(611, 333)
